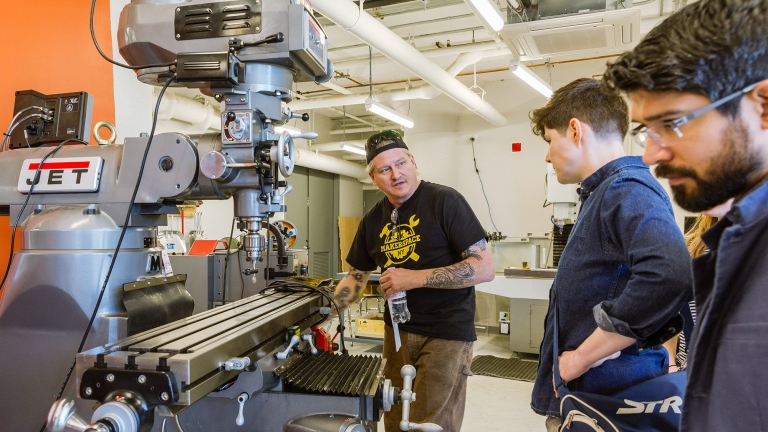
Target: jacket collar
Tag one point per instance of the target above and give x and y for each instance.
(589, 184)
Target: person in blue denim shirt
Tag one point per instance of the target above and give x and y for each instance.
(625, 271)
(698, 84)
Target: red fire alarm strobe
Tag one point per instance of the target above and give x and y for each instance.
(516, 147)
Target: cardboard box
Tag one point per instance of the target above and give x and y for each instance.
(371, 324)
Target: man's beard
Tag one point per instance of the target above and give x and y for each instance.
(727, 176)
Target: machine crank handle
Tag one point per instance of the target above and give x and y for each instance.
(308, 338)
(407, 396)
(284, 354)
(240, 420)
(306, 135)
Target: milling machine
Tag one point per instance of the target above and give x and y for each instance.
(154, 366)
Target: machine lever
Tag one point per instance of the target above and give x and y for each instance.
(237, 363)
(306, 135)
(407, 396)
(236, 44)
(240, 420)
(308, 338)
(284, 355)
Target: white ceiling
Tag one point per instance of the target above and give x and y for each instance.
(441, 21)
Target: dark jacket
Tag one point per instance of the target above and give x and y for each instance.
(625, 269)
(727, 372)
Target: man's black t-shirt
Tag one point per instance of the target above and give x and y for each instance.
(436, 225)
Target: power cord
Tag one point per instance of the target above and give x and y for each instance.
(35, 179)
(122, 233)
(472, 141)
(14, 124)
(293, 286)
(122, 65)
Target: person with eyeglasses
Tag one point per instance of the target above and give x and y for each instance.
(428, 243)
(698, 87)
(625, 272)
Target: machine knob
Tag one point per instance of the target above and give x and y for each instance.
(214, 166)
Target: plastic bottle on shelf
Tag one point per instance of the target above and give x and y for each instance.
(399, 304)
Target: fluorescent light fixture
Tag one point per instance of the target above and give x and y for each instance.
(290, 129)
(353, 149)
(530, 78)
(488, 13)
(388, 113)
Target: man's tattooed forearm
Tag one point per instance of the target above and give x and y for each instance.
(343, 294)
(458, 275)
(474, 250)
(358, 275)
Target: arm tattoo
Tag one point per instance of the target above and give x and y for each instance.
(474, 250)
(342, 295)
(458, 275)
(349, 293)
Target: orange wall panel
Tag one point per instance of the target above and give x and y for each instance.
(45, 45)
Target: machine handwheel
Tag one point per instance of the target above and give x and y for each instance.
(286, 165)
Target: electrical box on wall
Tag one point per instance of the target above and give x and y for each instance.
(70, 118)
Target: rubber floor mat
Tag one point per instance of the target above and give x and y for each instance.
(510, 368)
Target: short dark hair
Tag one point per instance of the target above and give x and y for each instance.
(603, 109)
(711, 48)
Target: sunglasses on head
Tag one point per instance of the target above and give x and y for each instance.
(387, 135)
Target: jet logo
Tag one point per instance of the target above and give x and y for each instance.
(674, 402)
(61, 175)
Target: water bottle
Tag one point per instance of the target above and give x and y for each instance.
(399, 304)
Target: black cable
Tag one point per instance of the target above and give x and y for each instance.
(472, 141)
(122, 65)
(122, 233)
(293, 286)
(35, 179)
(226, 261)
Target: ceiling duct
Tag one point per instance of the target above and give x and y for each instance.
(601, 32)
(558, 8)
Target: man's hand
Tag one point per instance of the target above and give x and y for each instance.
(570, 369)
(395, 280)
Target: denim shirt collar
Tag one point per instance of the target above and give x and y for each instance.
(751, 208)
(589, 184)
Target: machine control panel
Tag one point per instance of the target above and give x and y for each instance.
(71, 118)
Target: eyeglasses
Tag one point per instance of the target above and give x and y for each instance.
(668, 133)
(396, 223)
(387, 135)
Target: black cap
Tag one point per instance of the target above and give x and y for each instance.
(381, 142)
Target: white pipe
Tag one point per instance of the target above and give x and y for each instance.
(200, 114)
(433, 53)
(371, 31)
(309, 159)
(335, 146)
(422, 92)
